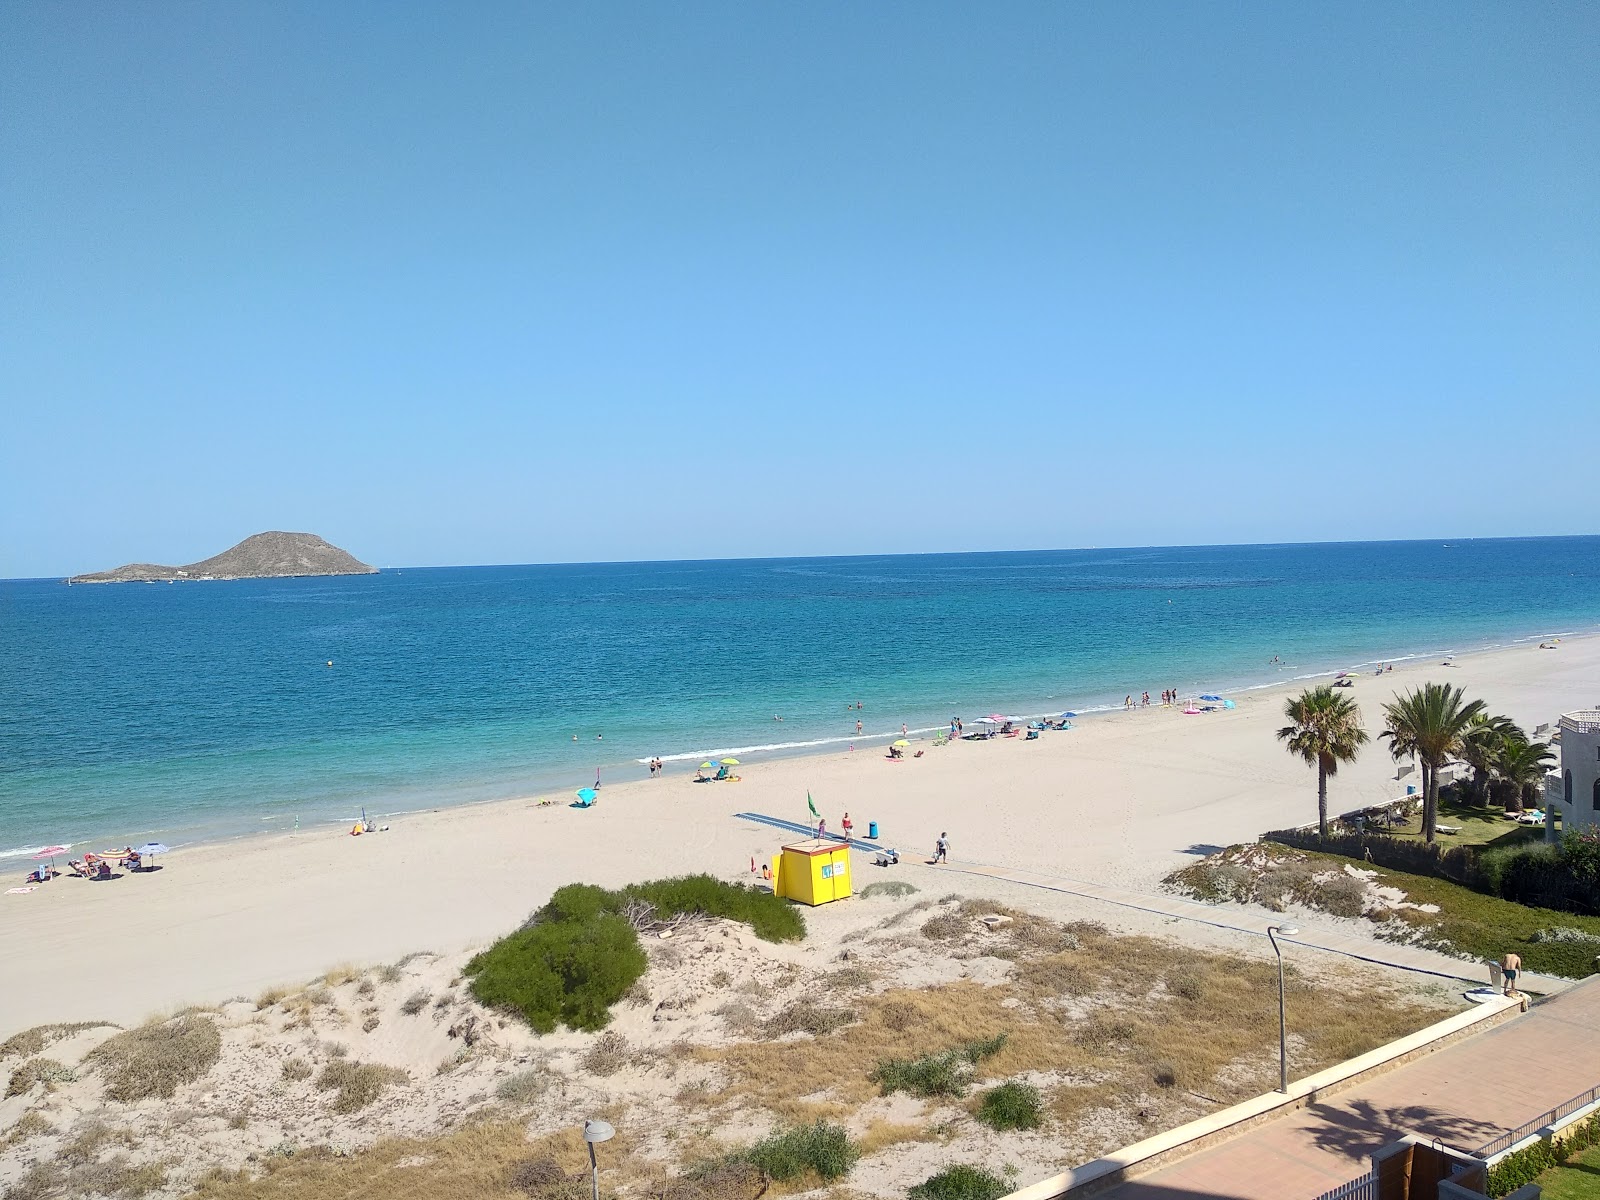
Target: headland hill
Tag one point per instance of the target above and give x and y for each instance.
(271, 555)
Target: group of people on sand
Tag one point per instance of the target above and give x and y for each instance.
(90, 866)
(656, 767)
(1168, 696)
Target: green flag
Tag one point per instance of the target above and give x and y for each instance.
(812, 807)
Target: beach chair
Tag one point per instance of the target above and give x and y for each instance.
(1033, 736)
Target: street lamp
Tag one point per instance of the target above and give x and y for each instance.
(1283, 1024)
(596, 1131)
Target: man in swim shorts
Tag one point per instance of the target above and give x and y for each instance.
(1511, 967)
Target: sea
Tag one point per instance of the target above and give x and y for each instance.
(209, 710)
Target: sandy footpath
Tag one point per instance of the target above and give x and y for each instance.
(1123, 798)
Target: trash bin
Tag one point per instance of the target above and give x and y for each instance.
(872, 829)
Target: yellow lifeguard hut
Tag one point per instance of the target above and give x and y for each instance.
(812, 872)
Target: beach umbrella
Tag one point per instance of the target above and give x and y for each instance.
(1067, 716)
(996, 717)
(587, 795)
(708, 766)
(730, 762)
(50, 852)
(149, 848)
(901, 742)
(1212, 699)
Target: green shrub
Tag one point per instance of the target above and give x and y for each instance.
(578, 955)
(961, 1182)
(1524, 1166)
(821, 1148)
(155, 1058)
(38, 1070)
(560, 972)
(769, 917)
(1012, 1106)
(945, 1074)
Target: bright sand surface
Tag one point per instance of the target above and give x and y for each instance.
(1123, 798)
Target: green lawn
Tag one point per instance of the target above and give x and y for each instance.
(1468, 922)
(1479, 827)
(1576, 1179)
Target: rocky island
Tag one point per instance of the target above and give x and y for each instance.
(263, 556)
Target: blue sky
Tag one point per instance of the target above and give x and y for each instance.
(521, 283)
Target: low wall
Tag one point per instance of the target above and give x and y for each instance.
(1165, 1148)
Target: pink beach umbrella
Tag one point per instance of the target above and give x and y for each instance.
(50, 852)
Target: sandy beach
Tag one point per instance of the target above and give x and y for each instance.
(1123, 798)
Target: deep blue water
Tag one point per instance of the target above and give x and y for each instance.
(207, 709)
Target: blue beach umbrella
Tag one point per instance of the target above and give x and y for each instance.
(1067, 716)
(587, 795)
(149, 848)
(1213, 699)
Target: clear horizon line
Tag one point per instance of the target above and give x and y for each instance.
(619, 562)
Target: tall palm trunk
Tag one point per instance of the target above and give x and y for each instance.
(1430, 801)
(1322, 801)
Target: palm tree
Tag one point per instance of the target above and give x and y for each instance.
(1326, 731)
(1481, 744)
(1522, 764)
(1428, 722)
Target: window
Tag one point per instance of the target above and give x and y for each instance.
(1566, 787)
(1597, 795)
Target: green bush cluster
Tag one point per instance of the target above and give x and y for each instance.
(944, 1074)
(961, 1182)
(1012, 1105)
(787, 1155)
(1524, 1166)
(578, 955)
(567, 971)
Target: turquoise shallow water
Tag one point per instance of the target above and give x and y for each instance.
(189, 711)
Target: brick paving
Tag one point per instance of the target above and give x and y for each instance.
(1464, 1095)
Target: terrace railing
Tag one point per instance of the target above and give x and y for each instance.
(1511, 1137)
(1365, 1188)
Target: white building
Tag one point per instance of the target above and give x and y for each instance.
(1574, 790)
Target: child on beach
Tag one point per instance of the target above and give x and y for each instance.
(941, 848)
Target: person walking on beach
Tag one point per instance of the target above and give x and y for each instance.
(1511, 967)
(822, 828)
(902, 729)
(1145, 700)
(848, 827)
(941, 848)
(858, 728)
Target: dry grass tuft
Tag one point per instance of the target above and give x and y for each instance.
(850, 978)
(29, 1124)
(155, 1058)
(358, 1084)
(608, 1055)
(295, 1069)
(947, 926)
(473, 1163)
(272, 997)
(38, 1070)
(805, 1017)
(525, 1087)
(31, 1042)
(415, 1003)
(342, 974)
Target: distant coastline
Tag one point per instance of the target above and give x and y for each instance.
(271, 555)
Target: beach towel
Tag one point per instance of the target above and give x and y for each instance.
(17, 891)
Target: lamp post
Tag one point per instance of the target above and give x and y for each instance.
(1283, 1023)
(596, 1131)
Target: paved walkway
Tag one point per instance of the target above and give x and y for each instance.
(1464, 1095)
(1329, 938)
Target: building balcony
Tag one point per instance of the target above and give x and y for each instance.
(1584, 721)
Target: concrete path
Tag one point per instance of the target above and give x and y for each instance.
(1327, 937)
(1464, 1095)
